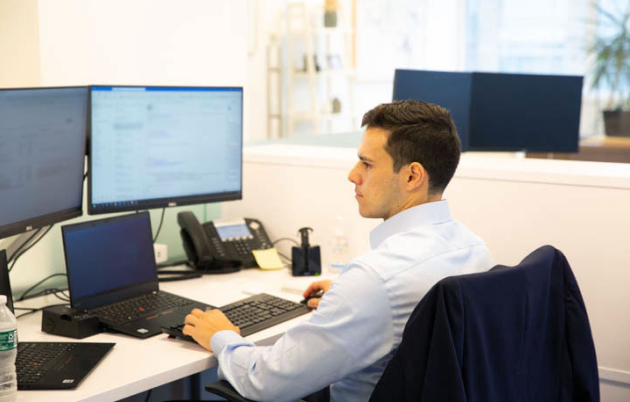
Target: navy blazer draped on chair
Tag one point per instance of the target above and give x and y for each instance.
(511, 334)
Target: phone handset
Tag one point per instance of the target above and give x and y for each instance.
(201, 253)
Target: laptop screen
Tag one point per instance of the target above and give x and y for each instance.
(109, 259)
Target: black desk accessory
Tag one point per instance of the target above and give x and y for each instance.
(50, 365)
(66, 321)
(306, 259)
(317, 295)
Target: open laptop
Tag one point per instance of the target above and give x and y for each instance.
(112, 275)
(51, 365)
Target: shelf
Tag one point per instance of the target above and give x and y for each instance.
(326, 73)
(320, 116)
(321, 31)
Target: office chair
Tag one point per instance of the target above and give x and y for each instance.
(510, 334)
(223, 389)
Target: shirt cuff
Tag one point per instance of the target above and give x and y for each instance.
(222, 338)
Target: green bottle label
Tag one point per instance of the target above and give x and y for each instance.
(8, 340)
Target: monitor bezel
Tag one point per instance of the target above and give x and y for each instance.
(168, 202)
(38, 222)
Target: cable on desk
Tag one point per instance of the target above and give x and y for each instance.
(286, 239)
(160, 226)
(16, 252)
(35, 310)
(285, 257)
(45, 292)
(23, 296)
(16, 256)
(65, 297)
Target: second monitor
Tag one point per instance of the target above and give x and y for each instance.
(154, 147)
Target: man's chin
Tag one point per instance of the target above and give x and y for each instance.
(367, 214)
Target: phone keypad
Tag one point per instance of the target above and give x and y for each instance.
(243, 247)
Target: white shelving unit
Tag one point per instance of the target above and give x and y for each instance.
(318, 71)
(274, 88)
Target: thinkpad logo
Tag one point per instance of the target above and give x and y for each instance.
(142, 330)
(68, 381)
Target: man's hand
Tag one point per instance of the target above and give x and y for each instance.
(315, 287)
(203, 325)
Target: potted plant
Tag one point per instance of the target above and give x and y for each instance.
(612, 69)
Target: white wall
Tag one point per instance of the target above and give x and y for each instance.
(515, 205)
(141, 42)
(19, 44)
(188, 42)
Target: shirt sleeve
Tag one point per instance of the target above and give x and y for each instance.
(351, 329)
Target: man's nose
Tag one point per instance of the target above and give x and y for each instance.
(353, 176)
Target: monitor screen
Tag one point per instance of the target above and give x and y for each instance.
(154, 147)
(502, 112)
(42, 156)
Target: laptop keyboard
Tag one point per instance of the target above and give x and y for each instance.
(39, 364)
(253, 314)
(137, 307)
(35, 359)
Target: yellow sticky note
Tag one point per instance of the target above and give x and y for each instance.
(268, 259)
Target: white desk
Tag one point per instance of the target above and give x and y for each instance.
(136, 365)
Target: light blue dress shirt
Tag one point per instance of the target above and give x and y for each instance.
(358, 325)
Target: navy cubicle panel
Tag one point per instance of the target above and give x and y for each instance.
(536, 113)
(447, 89)
(502, 112)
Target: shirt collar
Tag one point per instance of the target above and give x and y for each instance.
(424, 214)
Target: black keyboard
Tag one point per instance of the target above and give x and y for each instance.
(137, 307)
(253, 314)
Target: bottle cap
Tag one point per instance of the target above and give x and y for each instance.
(3, 299)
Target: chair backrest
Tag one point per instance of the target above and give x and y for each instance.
(510, 334)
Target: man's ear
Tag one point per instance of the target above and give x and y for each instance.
(416, 176)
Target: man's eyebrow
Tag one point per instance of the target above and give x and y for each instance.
(365, 158)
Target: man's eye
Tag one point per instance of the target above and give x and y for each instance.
(367, 165)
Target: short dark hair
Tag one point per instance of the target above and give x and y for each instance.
(419, 132)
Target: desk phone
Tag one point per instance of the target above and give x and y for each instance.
(207, 243)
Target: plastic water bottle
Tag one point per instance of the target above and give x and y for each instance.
(8, 352)
(339, 248)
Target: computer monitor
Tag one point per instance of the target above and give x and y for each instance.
(502, 112)
(154, 147)
(42, 156)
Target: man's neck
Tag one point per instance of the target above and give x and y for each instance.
(414, 203)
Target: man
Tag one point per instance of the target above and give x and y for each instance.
(407, 156)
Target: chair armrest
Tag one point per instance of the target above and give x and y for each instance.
(225, 390)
